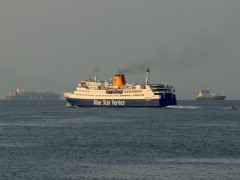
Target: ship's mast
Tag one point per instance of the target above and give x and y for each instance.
(147, 77)
(95, 75)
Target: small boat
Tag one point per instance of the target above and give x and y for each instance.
(233, 108)
(206, 95)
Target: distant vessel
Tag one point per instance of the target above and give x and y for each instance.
(206, 95)
(21, 94)
(118, 93)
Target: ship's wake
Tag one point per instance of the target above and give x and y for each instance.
(183, 107)
(200, 107)
(71, 106)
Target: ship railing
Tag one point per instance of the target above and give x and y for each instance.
(115, 91)
(163, 90)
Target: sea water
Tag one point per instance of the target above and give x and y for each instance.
(47, 140)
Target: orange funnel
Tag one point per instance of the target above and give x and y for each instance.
(119, 80)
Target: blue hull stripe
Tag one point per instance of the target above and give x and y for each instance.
(167, 100)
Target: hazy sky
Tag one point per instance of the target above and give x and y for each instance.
(50, 45)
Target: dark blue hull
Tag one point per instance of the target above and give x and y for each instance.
(167, 100)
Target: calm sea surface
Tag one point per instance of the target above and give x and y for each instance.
(47, 140)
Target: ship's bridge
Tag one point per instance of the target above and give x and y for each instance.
(158, 89)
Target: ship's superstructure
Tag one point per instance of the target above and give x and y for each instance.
(21, 94)
(206, 95)
(118, 93)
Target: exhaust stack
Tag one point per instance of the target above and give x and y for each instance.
(119, 80)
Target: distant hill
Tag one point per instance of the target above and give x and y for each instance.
(9, 80)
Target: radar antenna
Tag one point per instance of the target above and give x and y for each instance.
(95, 75)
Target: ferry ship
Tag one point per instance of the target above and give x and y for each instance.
(206, 95)
(21, 94)
(118, 93)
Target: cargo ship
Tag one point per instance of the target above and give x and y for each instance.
(21, 94)
(118, 93)
(206, 95)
